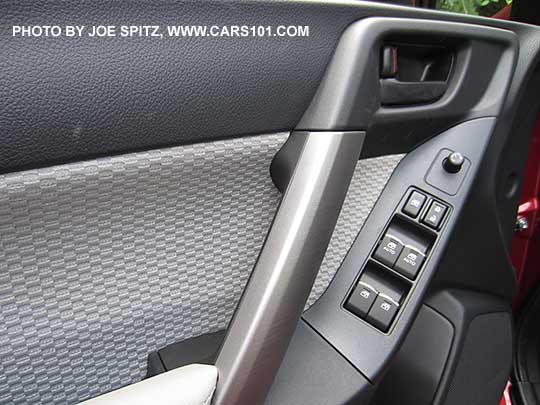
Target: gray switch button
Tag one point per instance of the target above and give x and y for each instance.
(389, 250)
(409, 262)
(361, 299)
(414, 204)
(435, 215)
(382, 312)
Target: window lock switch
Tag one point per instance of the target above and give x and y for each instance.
(414, 204)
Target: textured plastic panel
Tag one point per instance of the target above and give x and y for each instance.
(366, 185)
(104, 261)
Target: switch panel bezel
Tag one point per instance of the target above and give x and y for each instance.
(404, 225)
(369, 350)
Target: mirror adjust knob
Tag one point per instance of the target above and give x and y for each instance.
(453, 162)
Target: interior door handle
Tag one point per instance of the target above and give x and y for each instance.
(279, 286)
(395, 92)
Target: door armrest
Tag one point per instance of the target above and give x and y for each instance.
(189, 385)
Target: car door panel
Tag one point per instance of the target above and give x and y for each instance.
(107, 260)
(140, 177)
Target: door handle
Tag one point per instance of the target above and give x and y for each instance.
(266, 317)
(414, 74)
(395, 92)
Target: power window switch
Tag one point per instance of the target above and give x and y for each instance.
(361, 300)
(382, 312)
(389, 250)
(435, 214)
(414, 204)
(409, 262)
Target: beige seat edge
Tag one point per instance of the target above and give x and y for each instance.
(189, 385)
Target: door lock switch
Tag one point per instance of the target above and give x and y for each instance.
(414, 204)
(382, 312)
(388, 250)
(435, 215)
(361, 300)
(409, 262)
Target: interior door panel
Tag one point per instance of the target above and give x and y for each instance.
(143, 182)
(99, 255)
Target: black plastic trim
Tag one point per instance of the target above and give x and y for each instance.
(93, 98)
(366, 348)
(312, 372)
